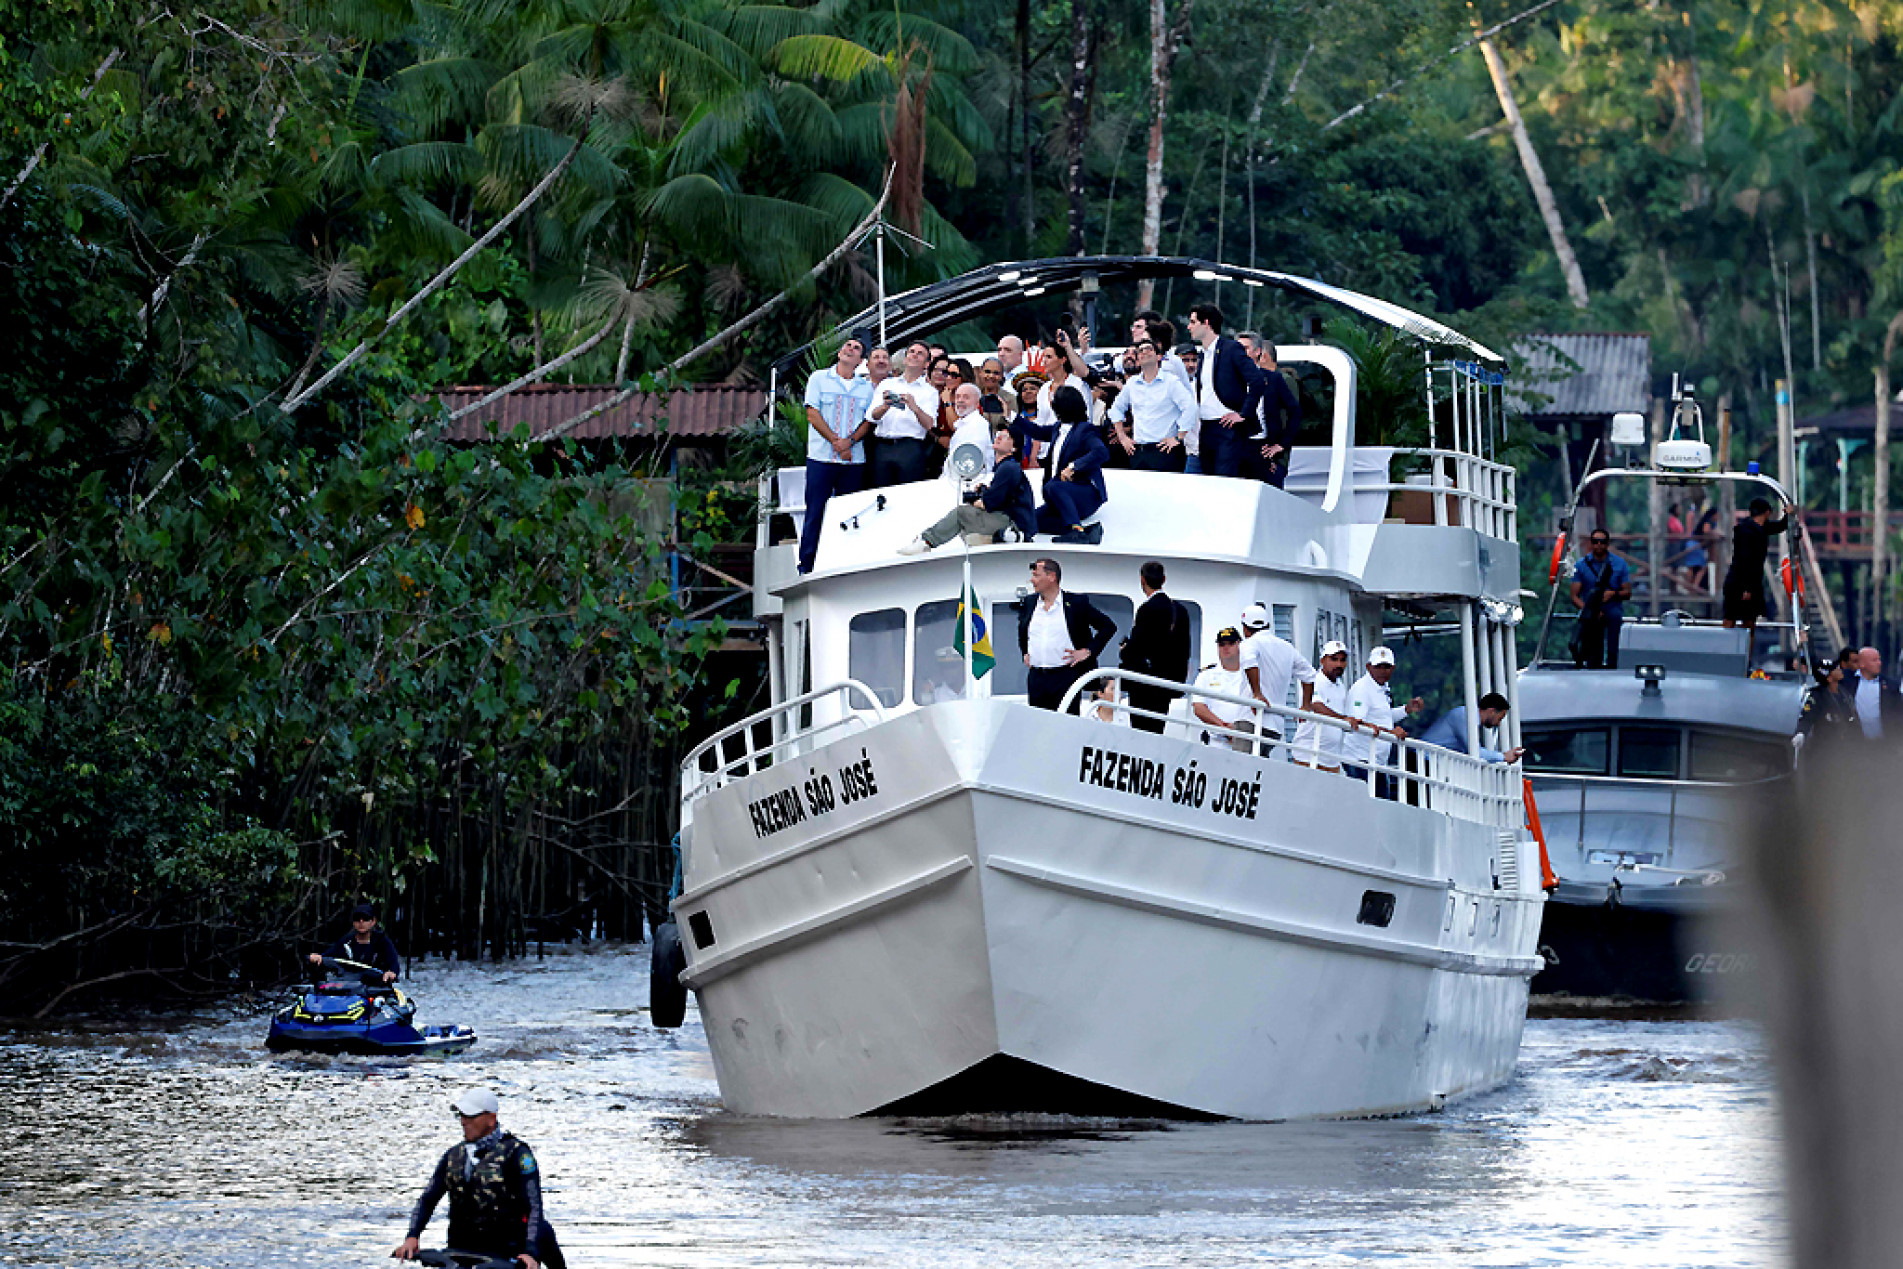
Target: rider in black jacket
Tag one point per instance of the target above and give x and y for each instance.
(366, 945)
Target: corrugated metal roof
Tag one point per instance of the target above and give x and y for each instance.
(713, 410)
(1615, 373)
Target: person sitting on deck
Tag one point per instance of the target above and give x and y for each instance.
(365, 945)
(1003, 505)
(1073, 470)
(1450, 729)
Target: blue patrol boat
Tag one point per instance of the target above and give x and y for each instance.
(366, 1019)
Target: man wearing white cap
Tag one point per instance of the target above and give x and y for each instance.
(1270, 662)
(1318, 745)
(495, 1192)
(1371, 702)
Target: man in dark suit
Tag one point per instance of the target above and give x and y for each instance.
(1158, 645)
(1073, 470)
(1060, 635)
(1879, 707)
(1228, 390)
(1279, 416)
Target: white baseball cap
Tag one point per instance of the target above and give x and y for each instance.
(1333, 646)
(1380, 656)
(1255, 615)
(475, 1101)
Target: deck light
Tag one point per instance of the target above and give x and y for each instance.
(1012, 276)
(1036, 290)
(1651, 676)
(1206, 275)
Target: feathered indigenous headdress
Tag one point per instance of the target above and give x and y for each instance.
(1036, 372)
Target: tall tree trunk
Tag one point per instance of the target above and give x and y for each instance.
(1816, 302)
(1166, 36)
(1880, 490)
(1077, 120)
(1536, 177)
(1028, 207)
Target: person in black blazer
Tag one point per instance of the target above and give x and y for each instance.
(1879, 707)
(1158, 646)
(1070, 651)
(1280, 414)
(1073, 478)
(1238, 385)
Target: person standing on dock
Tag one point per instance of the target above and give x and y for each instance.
(1060, 635)
(1600, 581)
(836, 426)
(1746, 598)
(495, 1193)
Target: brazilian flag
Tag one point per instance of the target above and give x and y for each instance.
(981, 658)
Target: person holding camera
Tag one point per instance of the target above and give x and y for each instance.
(995, 505)
(903, 416)
(1600, 581)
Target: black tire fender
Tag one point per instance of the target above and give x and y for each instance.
(667, 998)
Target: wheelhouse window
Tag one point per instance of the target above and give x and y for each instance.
(1649, 752)
(938, 668)
(1580, 751)
(875, 653)
(1717, 756)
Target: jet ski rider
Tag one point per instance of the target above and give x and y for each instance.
(366, 945)
(494, 1189)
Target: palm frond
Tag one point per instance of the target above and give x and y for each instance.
(949, 51)
(758, 27)
(825, 57)
(443, 90)
(946, 156)
(427, 162)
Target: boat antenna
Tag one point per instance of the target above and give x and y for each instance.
(878, 231)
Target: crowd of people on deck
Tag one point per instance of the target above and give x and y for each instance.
(1062, 635)
(881, 416)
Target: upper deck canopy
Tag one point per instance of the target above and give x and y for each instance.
(934, 307)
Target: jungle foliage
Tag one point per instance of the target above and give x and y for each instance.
(270, 642)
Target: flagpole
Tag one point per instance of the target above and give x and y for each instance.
(966, 601)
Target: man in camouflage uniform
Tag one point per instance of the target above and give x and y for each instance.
(495, 1193)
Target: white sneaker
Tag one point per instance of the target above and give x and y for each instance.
(916, 546)
(978, 539)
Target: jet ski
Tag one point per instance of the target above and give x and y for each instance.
(354, 1011)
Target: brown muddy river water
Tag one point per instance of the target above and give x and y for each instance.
(181, 1142)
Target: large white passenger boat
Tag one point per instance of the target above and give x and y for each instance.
(906, 892)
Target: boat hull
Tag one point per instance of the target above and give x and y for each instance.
(1023, 915)
(1668, 947)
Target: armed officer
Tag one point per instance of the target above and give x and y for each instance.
(1600, 582)
(495, 1193)
(366, 945)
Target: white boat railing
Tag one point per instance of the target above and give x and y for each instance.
(1481, 490)
(1458, 784)
(709, 765)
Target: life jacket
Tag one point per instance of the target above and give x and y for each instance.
(488, 1211)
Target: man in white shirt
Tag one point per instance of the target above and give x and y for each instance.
(1371, 703)
(836, 401)
(1271, 663)
(1149, 324)
(1226, 723)
(1319, 745)
(1153, 413)
(1060, 636)
(1011, 357)
(973, 429)
(903, 415)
